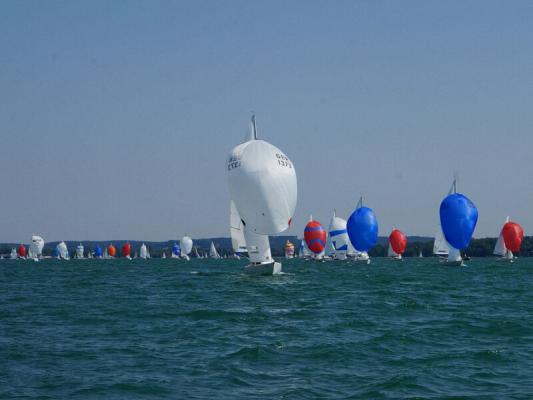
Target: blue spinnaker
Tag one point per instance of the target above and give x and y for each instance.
(458, 219)
(362, 227)
(98, 251)
(176, 250)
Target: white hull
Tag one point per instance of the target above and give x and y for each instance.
(269, 268)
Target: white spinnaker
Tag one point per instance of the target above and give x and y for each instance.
(62, 250)
(36, 246)
(143, 251)
(262, 183)
(186, 245)
(236, 230)
(440, 245)
(79, 251)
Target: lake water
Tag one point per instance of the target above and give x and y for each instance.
(169, 329)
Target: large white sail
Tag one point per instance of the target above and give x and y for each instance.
(263, 187)
(213, 253)
(339, 236)
(238, 243)
(143, 252)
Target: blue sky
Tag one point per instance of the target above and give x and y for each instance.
(117, 117)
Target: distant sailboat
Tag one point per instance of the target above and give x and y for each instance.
(143, 252)
(13, 255)
(458, 219)
(111, 251)
(420, 255)
(289, 250)
(98, 252)
(79, 251)
(262, 184)
(339, 236)
(21, 252)
(36, 248)
(397, 244)
(186, 247)
(509, 240)
(126, 250)
(176, 251)
(89, 253)
(315, 237)
(62, 251)
(362, 228)
(163, 255)
(213, 253)
(196, 255)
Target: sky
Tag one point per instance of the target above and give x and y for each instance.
(116, 118)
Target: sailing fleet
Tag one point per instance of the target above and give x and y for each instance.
(263, 194)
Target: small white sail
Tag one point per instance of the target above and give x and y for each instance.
(13, 255)
(499, 248)
(236, 230)
(440, 245)
(213, 253)
(143, 252)
(164, 255)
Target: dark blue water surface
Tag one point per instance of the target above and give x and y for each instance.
(171, 329)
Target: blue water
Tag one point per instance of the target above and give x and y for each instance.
(167, 329)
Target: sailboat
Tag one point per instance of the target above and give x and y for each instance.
(62, 251)
(126, 250)
(339, 236)
(13, 255)
(262, 184)
(98, 252)
(89, 253)
(213, 253)
(143, 252)
(21, 252)
(36, 248)
(289, 250)
(397, 245)
(362, 228)
(458, 219)
(186, 247)
(79, 251)
(176, 251)
(196, 255)
(420, 255)
(111, 251)
(163, 255)
(316, 238)
(236, 228)
(509, 240)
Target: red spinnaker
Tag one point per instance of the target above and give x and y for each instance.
(512, 236)
(398, 241)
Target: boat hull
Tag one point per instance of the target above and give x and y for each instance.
(270, 268)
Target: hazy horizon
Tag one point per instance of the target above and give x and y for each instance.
(117, 117)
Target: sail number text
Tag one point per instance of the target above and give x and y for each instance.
(283, 160)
